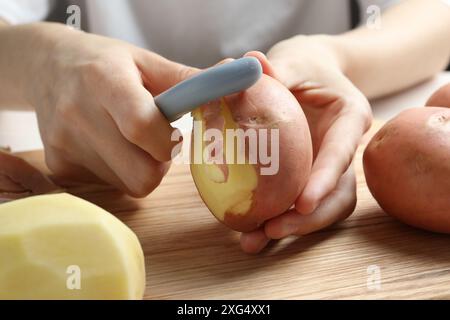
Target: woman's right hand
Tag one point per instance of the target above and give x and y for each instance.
(94, 101)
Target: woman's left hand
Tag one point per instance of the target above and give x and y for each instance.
(338, 115)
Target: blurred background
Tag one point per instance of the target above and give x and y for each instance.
(19, 130)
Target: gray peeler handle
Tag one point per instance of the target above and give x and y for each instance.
(209, 85)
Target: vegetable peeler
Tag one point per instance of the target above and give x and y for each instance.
(209, 85)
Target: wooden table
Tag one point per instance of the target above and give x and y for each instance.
(189, 255)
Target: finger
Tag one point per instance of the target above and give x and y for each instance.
(267, 67)
(335, 154)
(92, 169)
(9, 185)
(84, 167)
(135, 168)
(160, 73)
(226, 60)
(138, 118)
(17, 173)
(254, 242)
(336, 207)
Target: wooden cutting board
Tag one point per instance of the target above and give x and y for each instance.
(189, 255)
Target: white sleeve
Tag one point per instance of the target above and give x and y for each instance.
(24, 11)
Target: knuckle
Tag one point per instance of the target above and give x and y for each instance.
(102, 71)
(89, 72)
(167, 152)
(135, 127)
(185, 73)
(93, 70)
(111, 68)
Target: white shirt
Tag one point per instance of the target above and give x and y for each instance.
(201, 32)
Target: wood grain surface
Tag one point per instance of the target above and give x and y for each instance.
(189, 255)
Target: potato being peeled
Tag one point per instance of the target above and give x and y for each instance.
(441, 98)
(266, 126)
(407, 168)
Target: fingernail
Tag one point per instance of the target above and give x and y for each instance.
(253, 246)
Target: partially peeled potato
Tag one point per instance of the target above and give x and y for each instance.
(243, 195)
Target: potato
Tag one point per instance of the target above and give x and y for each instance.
(243, 194)
(407, 168)
(62, 247)
(441, 98)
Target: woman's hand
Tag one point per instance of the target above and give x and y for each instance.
(19, 179)
(94, 101)
(338, 115)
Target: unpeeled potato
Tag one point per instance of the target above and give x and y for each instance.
(407, 168)
(441, 98)
(62, 247)
(239, 195)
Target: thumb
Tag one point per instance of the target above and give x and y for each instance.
(159, 73)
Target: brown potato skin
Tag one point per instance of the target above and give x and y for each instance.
(275, 106)
(441, 98)
(407, 168)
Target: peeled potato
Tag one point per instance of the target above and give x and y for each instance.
(407, 168)
(239, 194)
(441, 98)
(62, 247)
